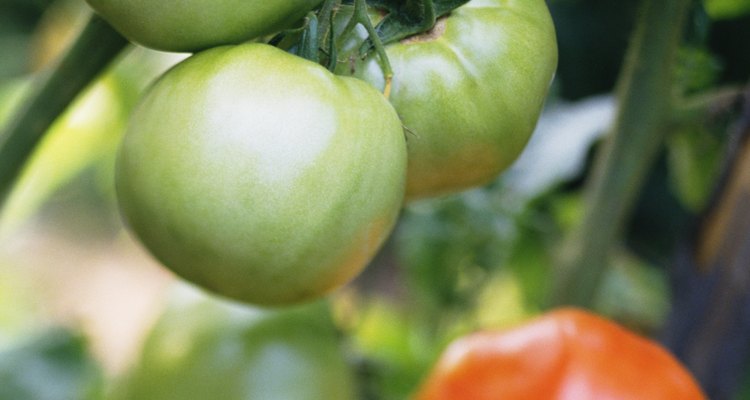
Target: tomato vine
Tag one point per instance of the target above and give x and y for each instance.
(317, 40)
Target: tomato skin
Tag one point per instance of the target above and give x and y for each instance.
(261, 176)
(191, 25)
(206, 349)
(469, 92)
(567, 354)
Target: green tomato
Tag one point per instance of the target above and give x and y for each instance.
(191, 25)
(260, 175)
(469, 92)
(206, 350)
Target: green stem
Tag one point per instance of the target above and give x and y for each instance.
(645, 93)
(310, 44)
(348, 29)
(360, 14)
(325, 17)
(326, 34)
(96, 46)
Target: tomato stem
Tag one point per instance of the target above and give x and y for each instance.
(326, 34)
(360, 16)
(96, 46)
(325, 15)
(310, 43)
(645, 90)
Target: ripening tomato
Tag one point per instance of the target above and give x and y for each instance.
(261, 176)
(191, 25)
(564, 355)
(469, 92)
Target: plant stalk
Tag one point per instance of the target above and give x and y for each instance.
(645, 92)
(94, 49)
(362, 17)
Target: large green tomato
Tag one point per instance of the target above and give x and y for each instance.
(206, 350)
(190, 25)
(260, 175)
(469, 92)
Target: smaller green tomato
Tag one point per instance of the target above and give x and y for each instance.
(207, 349)
(260, 175)
(191, 25)
(469, 92)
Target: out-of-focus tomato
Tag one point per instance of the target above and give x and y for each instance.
(205, 349)
(564, 355)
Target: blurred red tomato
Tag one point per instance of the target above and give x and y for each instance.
(567, 354)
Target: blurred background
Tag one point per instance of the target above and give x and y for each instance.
(85, 313)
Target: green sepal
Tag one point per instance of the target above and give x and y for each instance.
(411, 17)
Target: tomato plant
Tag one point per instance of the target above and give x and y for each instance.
(469, 91)
(203, 348)
(567, 354)
(256, 173)
(260, 175)
(199, 24)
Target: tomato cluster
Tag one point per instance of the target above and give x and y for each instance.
(267, 178)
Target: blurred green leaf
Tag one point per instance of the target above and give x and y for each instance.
(725, 9)
(694, 157)
(19, 304)
(635, 294)
(448, 245)
(53, 366)
(530, 264)
(393, 349)
(697, 69)
(502, 302)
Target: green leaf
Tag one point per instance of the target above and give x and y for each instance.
(410, 19)
(634, 293)
(53, 366)
(726, 9)
(19, 303)
(697, 69)
(394, 353)
(694, 157)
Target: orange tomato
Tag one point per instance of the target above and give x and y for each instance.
(567, 354)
